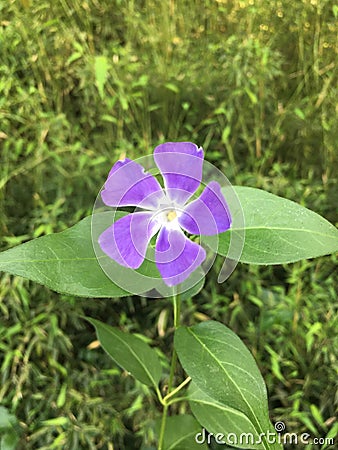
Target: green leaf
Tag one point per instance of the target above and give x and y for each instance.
(67, 262)
(223, 368)
(299, 113)
(9, 441)
(101, 73)
(172, 87)
(180, 433)
(9, 430)
(7, 420)
(225, 423)
(279, 231)
(331, 436)
(129, 352)
(56, 422)
(251, 95)
(226, 133)
(64, 262)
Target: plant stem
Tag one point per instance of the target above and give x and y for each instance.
(177, 311)
(163, 424)
(177, 389)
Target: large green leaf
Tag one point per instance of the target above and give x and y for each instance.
(223, 368)
(180, 433)
(229, 424)
(65, 262)
(279, 231)
(68, 263)
(129, 352)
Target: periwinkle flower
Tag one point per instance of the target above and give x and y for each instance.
(167, 211)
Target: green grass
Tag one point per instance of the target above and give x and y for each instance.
(83, 82)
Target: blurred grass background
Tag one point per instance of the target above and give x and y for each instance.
(84, 81)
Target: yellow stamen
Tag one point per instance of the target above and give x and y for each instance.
(171, 216)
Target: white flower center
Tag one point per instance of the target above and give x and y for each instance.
(167, 215)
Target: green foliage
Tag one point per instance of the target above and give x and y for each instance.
(9, 430)
(228, 379)
(101, 73)
(216, 416)
(255, 84)
(180, 433)
(130, 352)
(50, 379)
(64, 262)
(277, 230)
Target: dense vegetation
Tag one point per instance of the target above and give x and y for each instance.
(82, 82)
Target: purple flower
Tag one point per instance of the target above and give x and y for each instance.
(167, 211)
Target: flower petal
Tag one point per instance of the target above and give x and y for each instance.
(129, 185)
(126, 241)
(181, 166)
(209, 214)
(176, 256)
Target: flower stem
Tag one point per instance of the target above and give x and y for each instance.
(177, 311)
